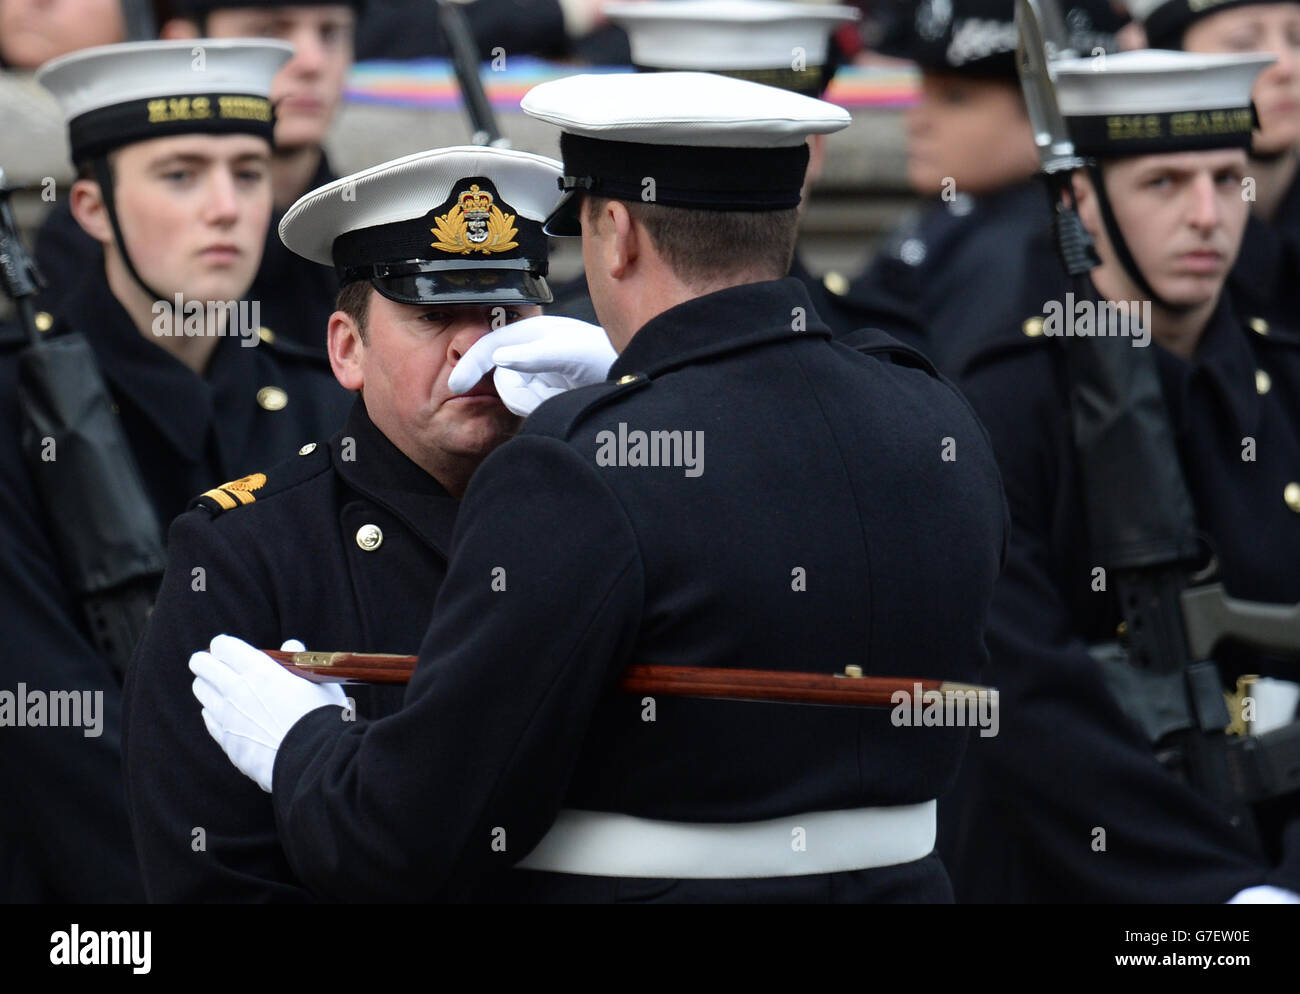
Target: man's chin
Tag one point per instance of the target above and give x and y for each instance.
(298, 131)
(1191, 292)
(224, 288)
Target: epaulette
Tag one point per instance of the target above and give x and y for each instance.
(873, 341)
(285, 347)
(558, 415)
(312, 459)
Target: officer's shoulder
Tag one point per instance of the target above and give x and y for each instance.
(884, 346)
(560, 415)
(274, 486)
(287, 350)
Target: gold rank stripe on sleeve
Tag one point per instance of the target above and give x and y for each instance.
(231, 495)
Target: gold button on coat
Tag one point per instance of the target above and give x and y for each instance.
(629, 378)
(1263, 382)
(307, 449)
(44, 320)
(265, 335)
(1259, 326)
(836, 283)
(370, 537)
(1292, 496)
(272, 399)
(1033, 327)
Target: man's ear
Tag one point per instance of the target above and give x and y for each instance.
(346, 348)
(816, 160)
(86, 200)
(1086, 200)
(627, 238)
(178, 29)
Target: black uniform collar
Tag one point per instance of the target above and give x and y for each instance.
(381, 472)
(738, 317)
(179, 403)
(1224, 363)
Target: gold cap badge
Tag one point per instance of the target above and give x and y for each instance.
(475, 224)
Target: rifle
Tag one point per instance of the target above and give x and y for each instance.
(464, 57)
(848, 689)
(103, 523)
(138, 18)
(1165, 680)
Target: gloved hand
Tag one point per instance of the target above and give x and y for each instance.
(535, 359)
(1264, 894)
(250, 702)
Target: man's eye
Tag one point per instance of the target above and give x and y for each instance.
(1158, 183)
(1244, 42)
(178, 175)
(435, 317)
(513, 315)
(250, 175)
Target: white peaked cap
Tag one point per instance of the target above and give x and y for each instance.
(722, 35)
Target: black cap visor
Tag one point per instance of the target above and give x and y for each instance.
(480, 283)
(565, 221)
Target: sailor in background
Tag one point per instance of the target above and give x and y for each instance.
(961, 266)
(178, 191)
(295, 297)
(1069, 803)
(1265, 282)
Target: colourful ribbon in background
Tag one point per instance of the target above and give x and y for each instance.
(431, 83)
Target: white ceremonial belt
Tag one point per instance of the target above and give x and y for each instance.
(601, 844)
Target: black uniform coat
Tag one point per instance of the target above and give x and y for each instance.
(961, 270)
(295, 296)
(288, 565)
(63, 829)
(1265, 280)
(1066, 760)
(823, 469)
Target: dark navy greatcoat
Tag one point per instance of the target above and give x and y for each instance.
(301, 561)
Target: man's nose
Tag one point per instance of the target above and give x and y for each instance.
(469, 329)
(1205, 213)
(308, 52)
(222, 204)
(1280, 45)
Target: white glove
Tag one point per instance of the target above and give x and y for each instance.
(250, 702)
(1263, 894)
(536, 358)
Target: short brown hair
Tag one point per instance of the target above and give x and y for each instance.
(354, 301)
(704, 248)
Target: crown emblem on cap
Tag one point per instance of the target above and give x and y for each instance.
(474, 224)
